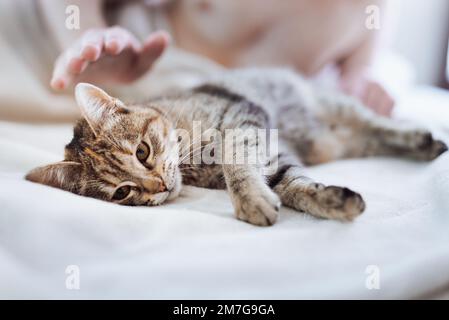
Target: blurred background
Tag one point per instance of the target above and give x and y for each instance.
(420, 33)
(416, 51)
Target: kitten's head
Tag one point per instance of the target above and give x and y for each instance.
(119, 153)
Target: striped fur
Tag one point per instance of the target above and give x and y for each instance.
(314, 127)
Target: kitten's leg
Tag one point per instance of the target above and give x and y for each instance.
(253, 200)
(392, 138)
(302, 193)
(371, 135)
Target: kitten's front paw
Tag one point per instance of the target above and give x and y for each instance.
(261, 209)
(340, 203)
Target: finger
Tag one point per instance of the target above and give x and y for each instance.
(117, 39)
(379, 102)
(92, 45)
(59, 82)
(390, 106)
(383, 100)
(152, 49)
(370, 97)
(75, 63)
(156, 42)
(388, 102)
(387, 105)
(61, 77)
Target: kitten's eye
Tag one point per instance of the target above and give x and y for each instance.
(121, 193)
(143, 152)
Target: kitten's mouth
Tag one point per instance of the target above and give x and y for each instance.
(171, 192)
(174, 191)
(158, 198)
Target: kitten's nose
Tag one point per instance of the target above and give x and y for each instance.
(162, 186)
(155, 185)
(160, 168)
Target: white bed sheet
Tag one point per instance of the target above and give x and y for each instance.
(194, 248)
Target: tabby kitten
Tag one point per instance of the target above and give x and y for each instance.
(131, 154)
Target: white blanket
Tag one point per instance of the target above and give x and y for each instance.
(195, 248)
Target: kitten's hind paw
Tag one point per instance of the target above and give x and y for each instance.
(424, 147)
(339, 203)
(436, 149)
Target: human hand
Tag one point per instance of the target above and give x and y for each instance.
(109, 55)
(371, 93)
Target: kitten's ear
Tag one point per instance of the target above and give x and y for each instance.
(62, 175)
(97, 106)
